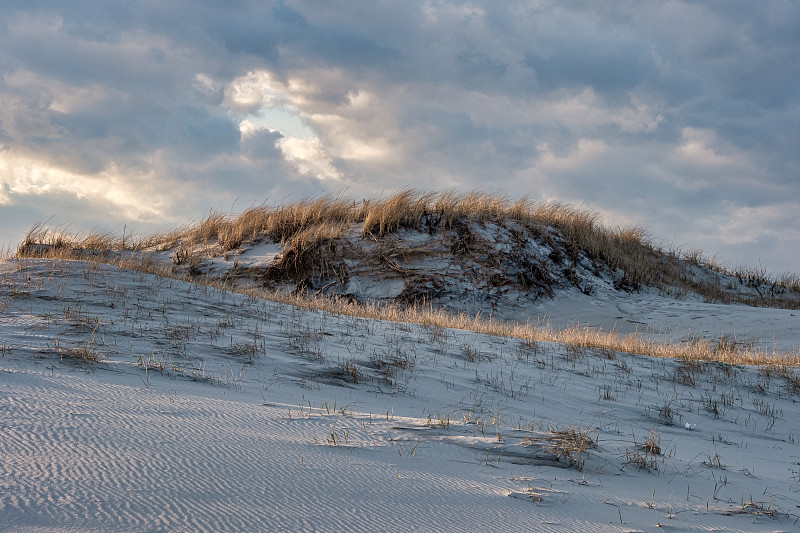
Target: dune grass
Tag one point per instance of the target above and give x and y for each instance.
(579, 338)
(306, 227)
(307, 223)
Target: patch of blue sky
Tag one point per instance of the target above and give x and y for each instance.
(284, 120)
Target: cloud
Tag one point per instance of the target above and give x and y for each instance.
(132, 197)
(5, 193)
(680, 116)
(309, 157)
(259, 143)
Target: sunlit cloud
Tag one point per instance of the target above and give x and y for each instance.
(132, 197)
(309, 157)
(253, 91)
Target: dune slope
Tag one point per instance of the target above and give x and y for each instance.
(132, 402)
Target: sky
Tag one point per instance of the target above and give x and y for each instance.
(682, 117)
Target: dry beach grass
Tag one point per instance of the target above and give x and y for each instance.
(309, 232)
(307, 223)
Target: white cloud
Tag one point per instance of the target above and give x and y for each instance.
(5, 194)
(702, 148)
(131, 197)
(253, 91)
(209, 88)
(586, 154)
(309, 157)
(437, 13)
(750, 224)
(348, 129)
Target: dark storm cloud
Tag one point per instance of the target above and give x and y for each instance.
(681, 116)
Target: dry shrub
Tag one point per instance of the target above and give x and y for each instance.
(789, 280)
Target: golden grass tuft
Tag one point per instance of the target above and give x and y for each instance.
(404, 209)
(305, 251)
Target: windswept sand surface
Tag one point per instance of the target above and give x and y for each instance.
(135, 403)
(668, 319)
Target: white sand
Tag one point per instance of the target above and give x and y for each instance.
(209, 411)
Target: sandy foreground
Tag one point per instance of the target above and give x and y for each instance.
(130, 402)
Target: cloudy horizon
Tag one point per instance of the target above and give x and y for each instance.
(680, 116)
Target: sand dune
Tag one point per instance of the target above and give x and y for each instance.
(135, 403)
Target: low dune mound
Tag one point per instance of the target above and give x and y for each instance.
(474, 253)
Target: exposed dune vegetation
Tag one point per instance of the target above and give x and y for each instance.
(472, 261)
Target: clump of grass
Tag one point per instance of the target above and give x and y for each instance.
(569, 444)
(404, 209)
(645, 456)
(307, 253)
(84, 353)
(652, 445)
(351, 372)
(276, 224)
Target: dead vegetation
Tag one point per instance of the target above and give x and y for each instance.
(309, 230)
(568, 444)
(498, 244)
